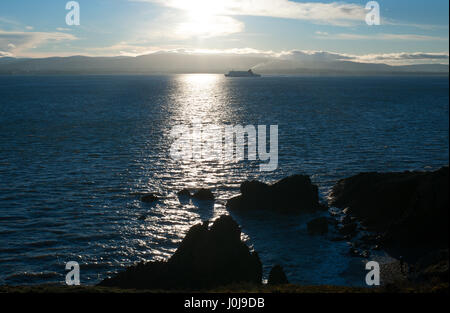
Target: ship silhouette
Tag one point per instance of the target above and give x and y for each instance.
(248, 73)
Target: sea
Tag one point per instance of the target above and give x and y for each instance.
(76, 153)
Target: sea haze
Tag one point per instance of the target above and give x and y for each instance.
(76, 152)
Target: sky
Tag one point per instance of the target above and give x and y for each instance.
(410, 31)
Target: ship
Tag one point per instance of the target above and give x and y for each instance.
(249, 73)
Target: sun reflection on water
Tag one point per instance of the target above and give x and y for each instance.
(201, 96)
(194, 98)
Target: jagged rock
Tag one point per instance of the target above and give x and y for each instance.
(206, 258)
(149, 198)
(184, 193)
(142, 217)
(318, 226)
(348, 229)
(203, 194)
(277, 276)
(346, 219)
(409, 208)
(293, 194)
(433, 266)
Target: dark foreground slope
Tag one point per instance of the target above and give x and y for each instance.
(236, 288)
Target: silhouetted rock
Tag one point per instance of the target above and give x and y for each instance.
(206, 258)
(348, 229)
(149, 198)
(277, 276)
(293, 194)
(318, 226)
(203, 194)
(184, 193)
(409, 208)
(142, 217)
(433, 267)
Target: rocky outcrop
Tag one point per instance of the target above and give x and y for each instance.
(207, 257)
(318, 226)
(277, 276)
(149, 198)
(432, 267)
(294, 194)
(203, 194)
(348, 229)
(184, 193)
(410, 209)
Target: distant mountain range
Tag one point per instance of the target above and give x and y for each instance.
(175, 62)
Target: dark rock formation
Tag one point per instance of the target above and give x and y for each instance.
(293, 194)
(149, 198)
(277, 276)
(184, 193)
(348, 229)
(206, 258)
(142, 217)
(432, 267)
(318, 226)
(409, 208)
(203, 194)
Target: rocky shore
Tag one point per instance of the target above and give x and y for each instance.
(404, 213)
(407, 211)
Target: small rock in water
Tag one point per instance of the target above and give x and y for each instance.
(277, 276)
(348, 229)
(149, 198)
(346, 219)
(142, 217)
(318, 226)
(203, 194)
(184, 193)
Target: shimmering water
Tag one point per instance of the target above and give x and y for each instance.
(76, 150)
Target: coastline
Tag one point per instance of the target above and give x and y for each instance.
(290, 196)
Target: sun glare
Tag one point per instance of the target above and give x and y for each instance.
(203, 18)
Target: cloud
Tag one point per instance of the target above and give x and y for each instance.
(334, 13)
(379, 36)
(401, 58)
(404, 58)
(208, 27)
(268, 59)
(179, 26)
(7, 21)
(124, 49)
(287, 59)
(6, 54)
(16, 42)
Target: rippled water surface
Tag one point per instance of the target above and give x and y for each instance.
(75, 153)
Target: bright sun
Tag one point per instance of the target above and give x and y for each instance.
(203, 19)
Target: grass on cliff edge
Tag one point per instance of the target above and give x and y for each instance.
(238, 288)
